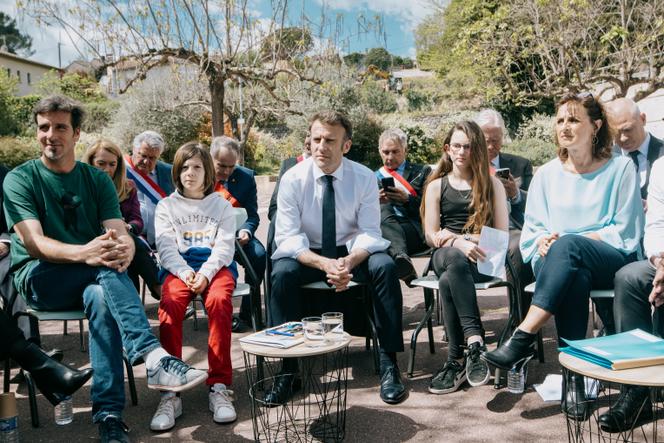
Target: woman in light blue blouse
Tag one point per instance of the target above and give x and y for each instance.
(583, 222)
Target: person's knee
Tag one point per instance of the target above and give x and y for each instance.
(285, 271)
(382, 263)
(450, 259)
(94, 302)
(566, 245)
(626, 281)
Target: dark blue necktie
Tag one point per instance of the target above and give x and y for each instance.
(635, 159)
(329, 241)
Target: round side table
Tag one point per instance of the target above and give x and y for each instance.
(581, 431)
(315, 412)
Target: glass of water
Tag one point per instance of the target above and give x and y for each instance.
(333, 324)
(313, 331)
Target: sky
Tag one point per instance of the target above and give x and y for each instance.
(355, 20)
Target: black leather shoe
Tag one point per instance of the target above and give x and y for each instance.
(54, 379)
(392, 390)
(576, 406)
(285, 385)
(113, 430)
(517, 348)
(632, 408)
(405, 269)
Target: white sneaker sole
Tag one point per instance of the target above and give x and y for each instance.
(191, 384)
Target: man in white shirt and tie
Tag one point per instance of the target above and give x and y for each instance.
(328, 228)
(632, 139)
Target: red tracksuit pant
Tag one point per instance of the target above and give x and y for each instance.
(176, 296)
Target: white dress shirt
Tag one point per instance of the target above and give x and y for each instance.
(653, 240)
(643, 159)
(300, 209)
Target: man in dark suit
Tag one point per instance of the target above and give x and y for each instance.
(632, 139)
(238, 185)
(516, 183)
(400, 221)
(152, 177)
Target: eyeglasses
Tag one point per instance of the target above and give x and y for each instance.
(70, 202)
(456, 147)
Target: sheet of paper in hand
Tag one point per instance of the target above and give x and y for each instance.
(494, 244)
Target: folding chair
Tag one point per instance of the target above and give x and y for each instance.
(429, 283)
(74, 315)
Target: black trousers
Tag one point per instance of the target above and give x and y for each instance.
(403, 236)
(142, 265)
(573, 266)
(377, 271)
(523, 271)
(13, 340)
(456, 282)
(631, 309)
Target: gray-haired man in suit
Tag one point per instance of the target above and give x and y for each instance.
(516, 185)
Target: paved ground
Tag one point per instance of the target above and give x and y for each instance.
(469, 415)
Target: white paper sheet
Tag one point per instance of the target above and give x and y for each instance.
(551, 388)
(494, 244)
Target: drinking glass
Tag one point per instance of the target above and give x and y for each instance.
(333, 324)
(313, 331)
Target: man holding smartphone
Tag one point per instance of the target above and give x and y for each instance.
(515, 173)
(401, 184)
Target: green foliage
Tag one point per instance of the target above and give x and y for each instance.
(23, 107)
(402, 62)
(366, 132)
(99, 115)
(534, 149)
(539, 127)
(8, 87)
(176, 128)
(11, 36)
(16, 150)
(422, 149)
(79, 87)
(377, 99)
(354, 59)
(417, 100)
(286, 43)
(379, 57)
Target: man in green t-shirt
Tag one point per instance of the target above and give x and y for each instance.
(70, 249)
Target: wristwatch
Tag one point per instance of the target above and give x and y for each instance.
(467, 237)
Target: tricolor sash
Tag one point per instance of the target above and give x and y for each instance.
(221, 189)
(144, 183)
(299, 158)
(399, 181)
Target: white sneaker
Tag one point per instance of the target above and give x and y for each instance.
(170, 408)
(172, 374)
(221, 404)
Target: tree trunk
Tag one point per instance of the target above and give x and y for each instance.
(217, 103)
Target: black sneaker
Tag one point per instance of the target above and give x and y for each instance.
(113, 430)
(448, 379)
(477, 370)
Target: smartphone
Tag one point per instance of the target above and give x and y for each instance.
(387, 182)
(503, 173)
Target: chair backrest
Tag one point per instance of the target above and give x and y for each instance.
(240, 217)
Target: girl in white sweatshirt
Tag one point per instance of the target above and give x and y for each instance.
(195, 230)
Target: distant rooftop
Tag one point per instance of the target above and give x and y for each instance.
(26, 60)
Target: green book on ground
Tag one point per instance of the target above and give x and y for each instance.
(632, 349)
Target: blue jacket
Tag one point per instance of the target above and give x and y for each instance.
(242, 186)
(164, 177)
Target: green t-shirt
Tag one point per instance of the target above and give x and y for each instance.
(70, 207)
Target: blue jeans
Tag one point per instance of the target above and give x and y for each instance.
(573, 266)
(116, 319)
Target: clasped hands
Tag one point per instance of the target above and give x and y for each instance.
(337, 272)
(195, 281)
(109, 250)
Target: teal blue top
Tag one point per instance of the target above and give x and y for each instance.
(606, 201)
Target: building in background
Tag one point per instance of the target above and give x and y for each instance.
(27, 72)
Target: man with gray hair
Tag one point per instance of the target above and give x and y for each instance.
(401, 183)
(515, 173)
(238, 185)
(632, 139)
(151, 175)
